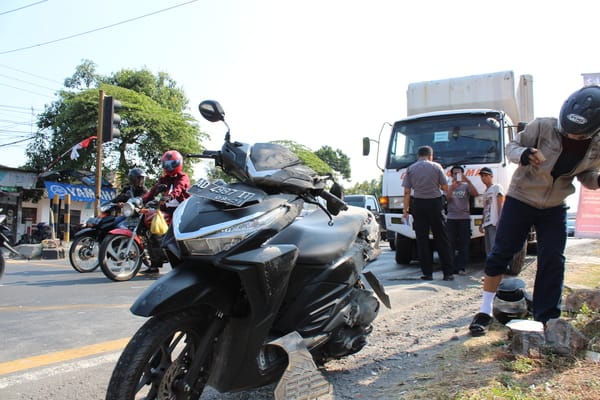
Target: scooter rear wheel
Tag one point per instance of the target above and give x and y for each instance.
(158, 358)
(83, 254)
(1, 264)
(116, 263)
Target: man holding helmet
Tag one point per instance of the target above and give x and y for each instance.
(551, 153)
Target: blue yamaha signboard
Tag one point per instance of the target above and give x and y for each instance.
(78, 192)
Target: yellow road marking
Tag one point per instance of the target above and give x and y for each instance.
(62, 307)
(10, 367)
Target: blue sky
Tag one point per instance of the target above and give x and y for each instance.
(320, 72)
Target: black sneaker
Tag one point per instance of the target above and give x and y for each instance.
(427, 277)
(150, 271)
(480, 324)
(448, 277)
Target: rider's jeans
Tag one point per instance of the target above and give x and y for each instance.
(551, 229)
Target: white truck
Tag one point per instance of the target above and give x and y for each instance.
(467, 121)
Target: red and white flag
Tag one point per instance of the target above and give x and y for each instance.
(81, 145)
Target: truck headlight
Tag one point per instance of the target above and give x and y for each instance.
(478, 201)
(396, 202)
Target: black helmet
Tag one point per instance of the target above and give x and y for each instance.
(512, 301)
(136, 172)
(137, 177)
(580, 114)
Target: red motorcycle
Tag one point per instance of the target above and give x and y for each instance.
(132, 243)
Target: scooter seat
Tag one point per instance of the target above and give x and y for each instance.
(318, 242)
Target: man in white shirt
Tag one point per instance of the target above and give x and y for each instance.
(493, 199)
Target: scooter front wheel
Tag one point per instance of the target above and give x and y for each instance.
(83, 254)
(158, 360)
(117, 261)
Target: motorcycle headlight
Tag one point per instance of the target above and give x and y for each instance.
(128, 209)
(223, 237)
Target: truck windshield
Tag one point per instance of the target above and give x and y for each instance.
(455, 139)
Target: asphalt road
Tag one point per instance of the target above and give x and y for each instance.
(62, 332)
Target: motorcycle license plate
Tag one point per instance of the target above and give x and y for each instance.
(221, 193)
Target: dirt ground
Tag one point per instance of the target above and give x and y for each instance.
(424, 351)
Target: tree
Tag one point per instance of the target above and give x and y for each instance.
(336, 159)
(153, 121)
(85, 76)
(367, 187)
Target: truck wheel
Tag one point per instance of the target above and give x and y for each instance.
(516, 264)
(404, 248)
(392, 241)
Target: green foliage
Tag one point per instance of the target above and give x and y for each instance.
(367, 187)
(521, 365)
(153, 121)
(336, 159)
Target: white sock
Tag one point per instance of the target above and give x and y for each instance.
(487, 302)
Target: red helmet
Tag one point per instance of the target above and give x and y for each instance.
(172, 162)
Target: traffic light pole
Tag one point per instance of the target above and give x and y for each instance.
(99, 143)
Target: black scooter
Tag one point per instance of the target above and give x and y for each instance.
(260, 291)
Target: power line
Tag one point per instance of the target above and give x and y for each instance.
(27, 82)
(25, 90)
(16, 142)
(98, 29)
(30, 74)
(20, 8)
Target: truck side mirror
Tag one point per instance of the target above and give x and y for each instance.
(366, 146)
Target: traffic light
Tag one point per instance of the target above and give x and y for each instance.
(111, 120)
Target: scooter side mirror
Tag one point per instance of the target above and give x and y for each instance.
(337, 190)
(211, 110)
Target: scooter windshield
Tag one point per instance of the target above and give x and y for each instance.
(274, 165)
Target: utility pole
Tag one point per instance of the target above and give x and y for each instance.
(99, 143)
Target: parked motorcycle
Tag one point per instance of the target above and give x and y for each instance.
(41, 232)
(131, 243)
(259, 291)
(5, 234)
(83, 253)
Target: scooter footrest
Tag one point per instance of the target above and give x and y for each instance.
(301, 380)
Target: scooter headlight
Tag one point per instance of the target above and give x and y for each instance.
(225, 236)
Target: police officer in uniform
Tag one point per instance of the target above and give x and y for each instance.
(426, 179)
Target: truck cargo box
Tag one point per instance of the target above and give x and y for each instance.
(493, 90)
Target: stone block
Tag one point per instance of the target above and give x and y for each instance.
(527, 337)
(563, 338)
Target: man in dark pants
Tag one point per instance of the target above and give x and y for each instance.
(551, 153)
(427, 180)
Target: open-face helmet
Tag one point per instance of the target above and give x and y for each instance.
(580, 114)
(512, 301)
(172, 162)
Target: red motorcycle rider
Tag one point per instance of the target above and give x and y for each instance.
(173, 184)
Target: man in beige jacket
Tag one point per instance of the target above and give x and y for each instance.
(551, 153)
